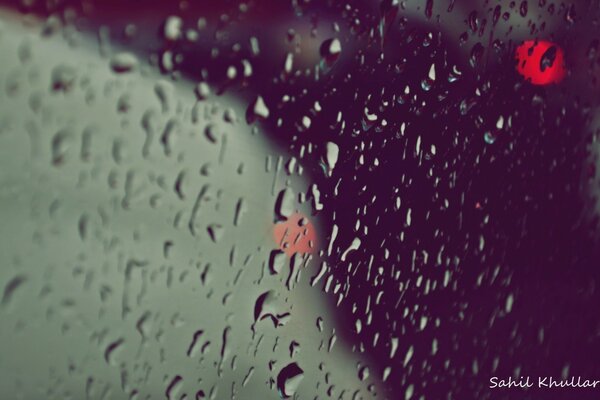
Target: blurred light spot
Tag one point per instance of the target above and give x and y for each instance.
(540, 62)
(295, 235)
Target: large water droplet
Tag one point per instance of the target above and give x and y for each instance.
(284, 206)
(257, 110)
(288, 380)
(330, 51)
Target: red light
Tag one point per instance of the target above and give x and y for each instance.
(540, 62)
(295, 235)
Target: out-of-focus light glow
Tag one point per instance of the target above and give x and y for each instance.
(295, 235)
(540, 62)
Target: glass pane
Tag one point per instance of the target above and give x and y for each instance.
(299, 199)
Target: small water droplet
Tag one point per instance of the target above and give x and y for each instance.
(123, 62)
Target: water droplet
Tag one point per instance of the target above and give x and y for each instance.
(213, 133)
(123, 62)
(288, 380)
(202, 90)
(509, 303)
(257, 110)
(277, 260)
(476, 54)
(523, 9)
(363, 373)
(429, 9)
(267, 306)
(215, 231)
(60, 145)
(332, 152)
(11, 288)
(389, 12)
(330, 51)
(174, 386)
(63, 78)
(285, 204)
(111, 349)
(172, 28)
(491, 136)
(548, 58)
(570, 14)
(165, 92)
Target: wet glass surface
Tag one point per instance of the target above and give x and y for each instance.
(299, 199)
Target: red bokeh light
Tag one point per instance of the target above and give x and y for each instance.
(540, 62)
(295, 235)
